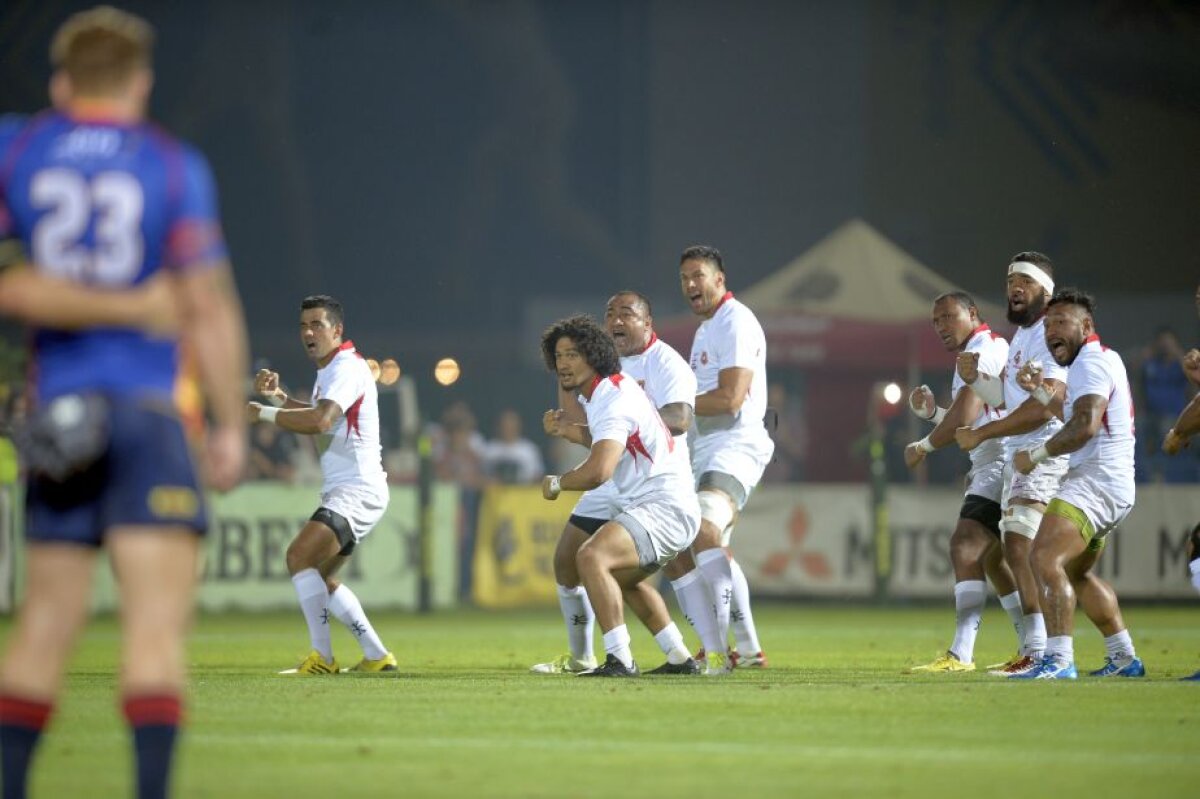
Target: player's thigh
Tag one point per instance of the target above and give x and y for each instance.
(156, 570)
(1059, 541)
(58, 590)
(572, 538)
(611, 549)
(315, 544)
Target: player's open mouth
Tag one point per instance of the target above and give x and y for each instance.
(1016, 304)
(1056, 345)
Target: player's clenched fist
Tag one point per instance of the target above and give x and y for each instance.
(552, 422)
(1023, 462)
(266, 382)
(913, 455)
(921, 402)
(967, 438)
(967, 366)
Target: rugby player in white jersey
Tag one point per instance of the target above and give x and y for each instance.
(975, 542)
(730, 450)
(658, 514)
(345, 420)
(1095, 496)
(671, 385)
(1026, 424)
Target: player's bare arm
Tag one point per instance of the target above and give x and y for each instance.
(677, 416)
(1087, 414)
(966, 406)
(213, 327)
(1186, 426)
(1025, 418)
(555, 422)
(1030, 379)
(1191, 366)
(266, 385)
(45, 301)
(733, 384)
(308, 421)
(592, 473)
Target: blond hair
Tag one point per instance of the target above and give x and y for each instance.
(100, 49)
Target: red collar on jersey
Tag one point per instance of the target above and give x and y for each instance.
(649, 344)
(597, 380)
(983, 328)
(346, 345)
(1094, 337)
(728, 296)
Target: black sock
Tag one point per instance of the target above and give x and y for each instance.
(155, 723)
(21, 724)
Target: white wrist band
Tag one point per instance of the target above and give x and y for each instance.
(938, 416)
(1042, 394)
(555, 485)
(926, 445)
(267, 414)
(1039, 455)
(278, 400)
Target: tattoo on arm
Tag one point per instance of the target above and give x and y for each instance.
(1086, 416)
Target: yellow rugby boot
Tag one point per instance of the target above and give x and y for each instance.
(945, 663)
(368, 666)
(314, 665)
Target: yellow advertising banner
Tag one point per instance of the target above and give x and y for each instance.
(514, 546)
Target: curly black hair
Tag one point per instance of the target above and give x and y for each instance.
(1073, 296)
(590, 339)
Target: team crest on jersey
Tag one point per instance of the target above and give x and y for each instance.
(704, 358)
(1016, 359)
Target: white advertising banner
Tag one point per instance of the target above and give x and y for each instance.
(817, 541)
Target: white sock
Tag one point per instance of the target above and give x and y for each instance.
(969, 598)
(718, 574)
(740, 616)
(691, 591)
(346, 608)
(1119, 646)
(314, 603)
(1012, 606)
(580, 619)
(670, 641)
(1061, 647)
(616, 643)
(1035, 635)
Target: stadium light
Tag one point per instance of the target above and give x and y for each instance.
(389, 371)
(892, 393)
(447, 371)
(373, 365)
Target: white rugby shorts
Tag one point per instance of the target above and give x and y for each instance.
(986, 480)
(1104, 507)
(360, 505)
(662, 526)
(1040, 485)
(601, 502)
(743, 457)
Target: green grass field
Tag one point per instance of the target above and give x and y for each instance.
(835, 714)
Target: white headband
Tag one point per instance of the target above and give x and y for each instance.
(1034, 271)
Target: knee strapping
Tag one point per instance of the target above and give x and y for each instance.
(1022, 520)
(715, 509)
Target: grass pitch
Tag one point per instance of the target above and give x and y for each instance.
(834, 715)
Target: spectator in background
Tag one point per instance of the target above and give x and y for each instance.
(790, 431)
(510, 458)
(1165, 392)
(459, 459)
(271, 455)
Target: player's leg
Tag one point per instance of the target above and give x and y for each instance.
(717, 510)
(1062, 537)
(156, 571)
(695, 600)
(577, 613)
(352, 513)
(648, 605)
(1098, 600)
(741, 617)
(48, 622)
(608, 562)
(315, 544)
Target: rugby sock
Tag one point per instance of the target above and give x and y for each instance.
(670, 641)
(580, 619)
(1119, 647)
(1060, 647)
(1012, 606)
(155, 721)
(740, 617)
(696, 603)
(1035, 634)
(314, 602)
(21, 725)
(616, 643)
(714, 565)
(346, 608)
(969, 597)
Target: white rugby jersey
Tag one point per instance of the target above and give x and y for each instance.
(1109, 454)
(732, 338)
(665, 377)
(993, 352)
(1029, 344)
(620, 411)
(352, 453)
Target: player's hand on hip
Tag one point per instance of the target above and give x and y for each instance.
(266, 383)
(967, 365)
(967, 438)
(913, 455)
(1023, 463)
(920, 402)
(225, 457)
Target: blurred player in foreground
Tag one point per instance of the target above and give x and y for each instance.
(99, 197)
(345, 418)
(975, 542)
(658, 515)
